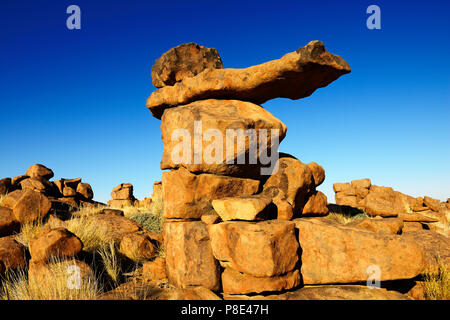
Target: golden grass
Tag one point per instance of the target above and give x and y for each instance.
(2, 196)
(437, 285)
(88, 211)
(111, 261)
(16, 285)
(87, 230)
(29, 231)
(339, 217)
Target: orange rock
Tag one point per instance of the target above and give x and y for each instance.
(137, 247)
(54, 243)
(344, 200)
(12, 255)
(85, 190)
(333, 253)
(242, 208)
(197, 293)
(189, 258)
(184, 61)
(120, 203)
(112, 227)
(385, 202)
(261, 249)
(5, 186)
(296, 75)
(387, 226)
(361, 184)
(39, 170)
(210, 218)
(294, 179)
(284, 208)
(346, 188)
(316, 205)
(412, 226)
(27, 205)
(433, 204)
(123, 191)
(234, 282)
(417, 217)
(154, 270)
(8, 224)
(194, 192)
(227, 154)
(318, 173)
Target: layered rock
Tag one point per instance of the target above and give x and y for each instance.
(122, 196)
(296, 75)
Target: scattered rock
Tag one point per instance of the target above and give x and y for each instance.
(261, 249)
(184, 61)
(296, 75)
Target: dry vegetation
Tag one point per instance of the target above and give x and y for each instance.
(437, 285)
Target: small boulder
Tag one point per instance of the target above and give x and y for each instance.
(316, 205)
(318, 173)
(12, 255)
(85, 190)
(387, 225)
(137, 247)
(54, 243)
(433, 204)
(242, 208)
(154, 270)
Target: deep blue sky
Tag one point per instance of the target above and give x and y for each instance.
(74, 100)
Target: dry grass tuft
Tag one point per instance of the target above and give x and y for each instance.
(88, 211)
(111, 261)
(437, 285)
(87, 231)
(28, 231)
(15, 286)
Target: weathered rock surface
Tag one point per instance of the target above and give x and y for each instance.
(318, 173)
(333, 253)
(113, 227)
(8, 223)
(261, 249)
(39, 170)
(387, 226)
(154, 270)
(294, 179)
(433, 204)
(85, 190)
(385, 202)
(234, 282)
(27, 205)
(54, 243)
(316, 205)
(189, 258)
(296, 75)
(12, 255)
(194, 192)
(137, 246)
(5, 185)
(123, 191)
(184, 61)
(242, 208)
(210, 146)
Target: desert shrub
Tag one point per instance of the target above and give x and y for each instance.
(437, 285)
(149, 221)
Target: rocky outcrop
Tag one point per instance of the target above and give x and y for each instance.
(122, 196)
(12, 255)
(296, 75)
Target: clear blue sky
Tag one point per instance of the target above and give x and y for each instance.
(74, 100)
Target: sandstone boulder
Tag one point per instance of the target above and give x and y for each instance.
(296, 75)
(234, 282)
(212, 136)
(184, 61)
(38, 184)
(385, 202)
(154, 270)
(12, 255)
(137, 246)
(418, 217)
(316, 205)
(5, 185)
(27, 205)
(8, 224)
(433, 204)
(361, 184)
(123, 191)
(194, 192)
(210, 218)
(261, 249)
(189, 258)
(333, 253)
(113, 227)
(39, 171)
(242, 208)
(318, 173)
(294, 179)
(15, 182)
(54, 243)
(387, 225)
(85, 190)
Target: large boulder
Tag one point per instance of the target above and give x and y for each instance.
(57, 243)
(189, 257)
(12, 255)
(113, 227)
(219, 136)
(316, 205)
(385, 202)
(39, 170)
(296, 75)
(194, 193)
(234, 282)
(85, 190)
(261, 249)
(8, 223)
(433, 204)
(39, 184)
(27, 205)
(184, 61)
(294, 180)
(334, 253)
(318, 173)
